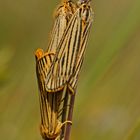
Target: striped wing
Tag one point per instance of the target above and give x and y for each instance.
(52, 106)
(85, 35)
(62, 17)
(50, 103)
(69, 50)
(43, 64)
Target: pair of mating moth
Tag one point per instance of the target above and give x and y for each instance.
(58, 68)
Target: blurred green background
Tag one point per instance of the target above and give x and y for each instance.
(108, 97)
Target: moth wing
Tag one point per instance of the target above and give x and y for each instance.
(87, 22)
(42, 67)
(74, 78)
(58, 29)
(62, 17)
(66, 55)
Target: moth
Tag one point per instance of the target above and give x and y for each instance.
(62, 16)
(58, 69)
(69, 56)
(50, 104)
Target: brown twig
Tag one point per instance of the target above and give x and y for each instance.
(70, 114)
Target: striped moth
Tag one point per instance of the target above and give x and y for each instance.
(58, 69)
(50, 104)
(70, 51)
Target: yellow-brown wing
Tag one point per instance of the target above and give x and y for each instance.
(70, 51)
(87, 19)
(62, 17)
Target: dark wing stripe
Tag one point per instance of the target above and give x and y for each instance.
(67, 53)
(73, 81)
(40, 76)
(46, 66)
(77, 41)
(48, 110)
(72, 50)
(44, 114)
(58, 60)
(73, 53)
(43, 65)
(45, 111)
(51, 58)
(85, 33)
(63, 15)
(61, 66)
(42, 69)
(41, 100)
(41, 109)
(48, 103)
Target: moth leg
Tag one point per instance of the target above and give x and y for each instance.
(60, 125)
(66, 122)
(71, 90)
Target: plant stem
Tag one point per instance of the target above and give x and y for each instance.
(70, 114)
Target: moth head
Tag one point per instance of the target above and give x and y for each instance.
(39, 53)
(86, 12)
(83, 2)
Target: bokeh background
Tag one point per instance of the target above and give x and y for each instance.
(107, 103)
